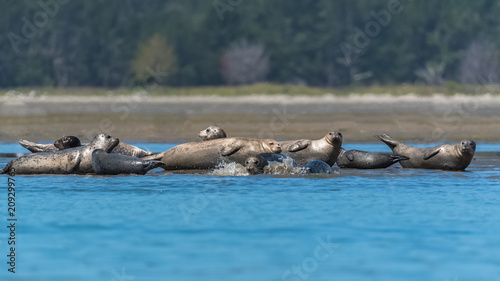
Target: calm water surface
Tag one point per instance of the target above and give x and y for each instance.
(392, 224)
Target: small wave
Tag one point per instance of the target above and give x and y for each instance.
(287, 167)
(230, 169)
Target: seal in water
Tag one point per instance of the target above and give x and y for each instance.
(76, 160)
(105, 163)
(255, 164)
(316, 167)
(211, 133)
(357, 159)
(304, 151)
(444, 157)
(211, 153)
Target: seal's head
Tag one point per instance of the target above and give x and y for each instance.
(334, 138)
(67, 142)
(212, 132)
(105, 142)
(467, 147)
(271, 146)
(255, 165)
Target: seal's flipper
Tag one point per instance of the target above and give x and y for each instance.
(396, 158)
(349, 156)
(6, 169)
(230, 149)
(428, 156)
(299, 145)
(388, 140)
(32, 146)
(157, 156)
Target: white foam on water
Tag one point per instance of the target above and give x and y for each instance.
(287, 167)
(230, 169)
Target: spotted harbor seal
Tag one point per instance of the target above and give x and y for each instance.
(105, 163)
(357, 159)
(255, 164)
(444, 157)
(76, 160)
(304, 151)
(316, 167)
(211, 133)
(211, 153)
(71, 141)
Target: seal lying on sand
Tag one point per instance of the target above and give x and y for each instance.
(105, 163)
(357, 159)
(71, 141)
(211, 133)
(208, 154)
(445, 157)
(76, 160)
(60, 144)
(256, 164)
(304, 151)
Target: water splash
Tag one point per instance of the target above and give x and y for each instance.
(230, 169)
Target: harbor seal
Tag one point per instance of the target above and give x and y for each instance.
(316, 167)
(357, 159)
(76, 160)
(211, 133)
(255, 164)
(304, 151)
(105, 163)
(211, 153)
(71, 141)
(444, 157)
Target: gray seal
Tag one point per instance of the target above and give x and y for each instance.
(443, 157)
(304, 151)
(71, 141)
(357, 159)
(316, 167)
(211, 153)
(105, 163)
(211, 133)
(255, 164)
(76, 160)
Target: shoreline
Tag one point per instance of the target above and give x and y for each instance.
(173, 118)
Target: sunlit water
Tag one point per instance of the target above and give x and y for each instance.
(391, 224)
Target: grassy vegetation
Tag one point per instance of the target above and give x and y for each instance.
(264, 89)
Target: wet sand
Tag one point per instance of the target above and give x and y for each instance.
(173, 119)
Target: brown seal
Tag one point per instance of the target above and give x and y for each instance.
(357, 159)
(211, 133)
(211, 153)
(444, 157)
(76, 160)
(304, 151)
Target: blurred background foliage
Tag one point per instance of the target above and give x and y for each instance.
(112, 43)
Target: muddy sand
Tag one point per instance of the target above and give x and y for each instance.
(173, 119)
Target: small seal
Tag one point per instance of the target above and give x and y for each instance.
(316, 167)
(444, 157)
(211, 133)
(255, 164)
(211, 153)
(105, 163)
(76, 160)
(304, 151)
(357, 159)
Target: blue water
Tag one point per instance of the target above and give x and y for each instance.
(392, 224)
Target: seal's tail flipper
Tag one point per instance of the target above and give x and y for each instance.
(29, 145)
(6, 169)
(157, 156)
(388, 140)
(396, 158)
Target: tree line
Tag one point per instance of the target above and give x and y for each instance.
(69, 43)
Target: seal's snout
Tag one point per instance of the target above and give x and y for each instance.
(468, 145)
